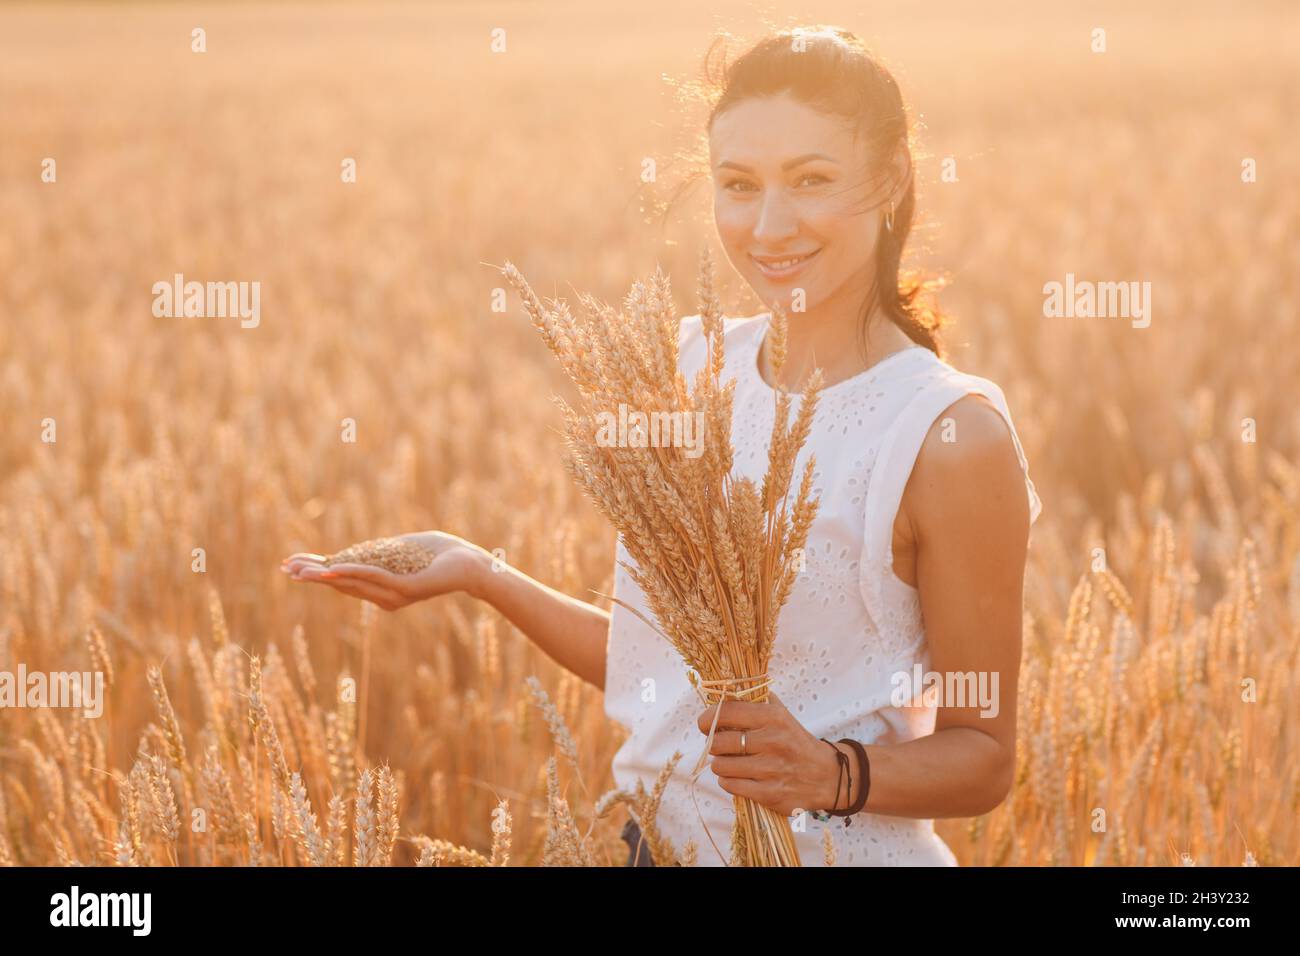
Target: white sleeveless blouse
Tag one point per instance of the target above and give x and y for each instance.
(849, 624)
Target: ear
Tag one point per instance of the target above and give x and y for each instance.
(900, 173)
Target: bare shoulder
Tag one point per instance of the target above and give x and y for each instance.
(970, 432)
(967, 472)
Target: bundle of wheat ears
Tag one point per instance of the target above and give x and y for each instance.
(715, 555)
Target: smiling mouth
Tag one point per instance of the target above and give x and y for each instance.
(785, 267)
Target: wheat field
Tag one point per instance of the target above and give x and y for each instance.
(1160, 681)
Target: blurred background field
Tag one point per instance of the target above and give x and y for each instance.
(175, 434)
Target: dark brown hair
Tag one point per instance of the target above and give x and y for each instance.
(830, 69)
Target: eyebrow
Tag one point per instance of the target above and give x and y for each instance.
(788, 164)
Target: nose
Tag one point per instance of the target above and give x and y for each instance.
(777, 221)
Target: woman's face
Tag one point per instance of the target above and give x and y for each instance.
(789, 182)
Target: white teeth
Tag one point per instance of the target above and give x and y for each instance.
(784, 263)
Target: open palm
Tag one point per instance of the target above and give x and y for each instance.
(454, 566)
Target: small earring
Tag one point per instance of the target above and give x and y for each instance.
(889, 217)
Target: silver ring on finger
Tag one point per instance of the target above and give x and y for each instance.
(742, 743)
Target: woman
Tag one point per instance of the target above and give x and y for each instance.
(915, 563)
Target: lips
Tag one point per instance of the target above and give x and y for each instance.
(784, 267)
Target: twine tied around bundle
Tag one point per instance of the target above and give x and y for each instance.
(711, 692)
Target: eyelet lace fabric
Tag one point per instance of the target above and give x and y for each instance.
(850, 623)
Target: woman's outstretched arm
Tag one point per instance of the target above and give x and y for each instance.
(570, 632)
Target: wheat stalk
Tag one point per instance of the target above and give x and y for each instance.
(714, 556)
